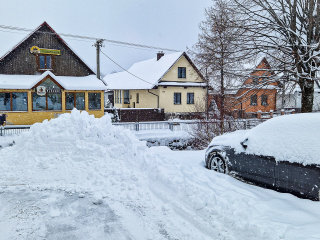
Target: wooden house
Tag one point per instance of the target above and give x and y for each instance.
(42, 77)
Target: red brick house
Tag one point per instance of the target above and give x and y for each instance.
(257, 93)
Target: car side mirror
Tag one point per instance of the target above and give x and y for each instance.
(244, 143)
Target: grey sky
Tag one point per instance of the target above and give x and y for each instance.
(169, 24)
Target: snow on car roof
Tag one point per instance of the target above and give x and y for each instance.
(292, 138)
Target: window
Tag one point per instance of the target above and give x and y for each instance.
(94, 101)
(51, 100)
(45, 62)
(190, 98)
(177, 98)
(118, 97)
(253, 100)
(255, 80)
(137, 99)
(264, 100)
(75, 100)
(126, 99)
(16, 101)
(181, 72)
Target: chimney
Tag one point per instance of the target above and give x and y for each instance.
(160, 54)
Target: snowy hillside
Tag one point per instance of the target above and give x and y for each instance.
(78, 177)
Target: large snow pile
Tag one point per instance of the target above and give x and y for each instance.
(74, 151)
(293, 138)
(77, 177)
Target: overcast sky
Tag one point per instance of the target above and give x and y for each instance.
(169, 24)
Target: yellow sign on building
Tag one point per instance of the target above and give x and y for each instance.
(38, 50)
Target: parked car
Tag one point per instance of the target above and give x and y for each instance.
(282, 153)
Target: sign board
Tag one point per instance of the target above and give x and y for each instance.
(37, 50)
(49, 51)
(41, 90)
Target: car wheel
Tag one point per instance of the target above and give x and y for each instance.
(217, 164)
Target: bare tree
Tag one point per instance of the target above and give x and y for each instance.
(292, 28)
(219, 49)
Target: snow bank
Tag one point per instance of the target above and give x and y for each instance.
(74, 151)
(78, 177)
(292, 138)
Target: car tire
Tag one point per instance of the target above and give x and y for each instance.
(217, 164)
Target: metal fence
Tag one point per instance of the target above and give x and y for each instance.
(11, 130)
(229, 125)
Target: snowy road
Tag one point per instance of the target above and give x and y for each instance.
(80, 178)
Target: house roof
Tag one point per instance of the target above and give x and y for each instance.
(69, 83)
(145, 74)
(54, 32)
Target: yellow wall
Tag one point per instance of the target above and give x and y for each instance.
(166, 95)
(146, 99)
(30, 117)
(191, 74)
(167, 99)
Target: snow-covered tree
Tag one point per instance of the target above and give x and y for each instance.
(220, 48)
(291, 28)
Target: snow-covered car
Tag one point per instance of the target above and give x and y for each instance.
(282, 153)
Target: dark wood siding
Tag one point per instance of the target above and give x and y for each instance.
(21, 61)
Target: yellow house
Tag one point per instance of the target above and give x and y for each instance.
(41, 78)
(169, 81)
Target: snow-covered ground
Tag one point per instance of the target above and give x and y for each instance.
(77, 177)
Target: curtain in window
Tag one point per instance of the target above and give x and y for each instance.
(177, 98)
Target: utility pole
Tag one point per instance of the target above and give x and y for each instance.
(98, 44)
(207, 96)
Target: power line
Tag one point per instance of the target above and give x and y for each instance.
(91, 38)
(125, 69)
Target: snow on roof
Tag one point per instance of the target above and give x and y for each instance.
(146, 74)
(69, 83)
(189, 84)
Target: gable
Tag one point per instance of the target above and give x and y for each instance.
(192, 75)
(263, 70)
(21, 61)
